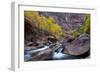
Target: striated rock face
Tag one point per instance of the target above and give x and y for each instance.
(69, 21)
(80, 45)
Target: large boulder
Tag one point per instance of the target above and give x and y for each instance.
(79, 46)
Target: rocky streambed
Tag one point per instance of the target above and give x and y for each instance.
(76, 49)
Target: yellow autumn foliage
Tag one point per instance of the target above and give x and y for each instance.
(43, 23)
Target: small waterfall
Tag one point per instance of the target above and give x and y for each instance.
(58, 54)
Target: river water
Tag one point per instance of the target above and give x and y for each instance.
(57, 55)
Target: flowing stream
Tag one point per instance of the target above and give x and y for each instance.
(57, 54)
